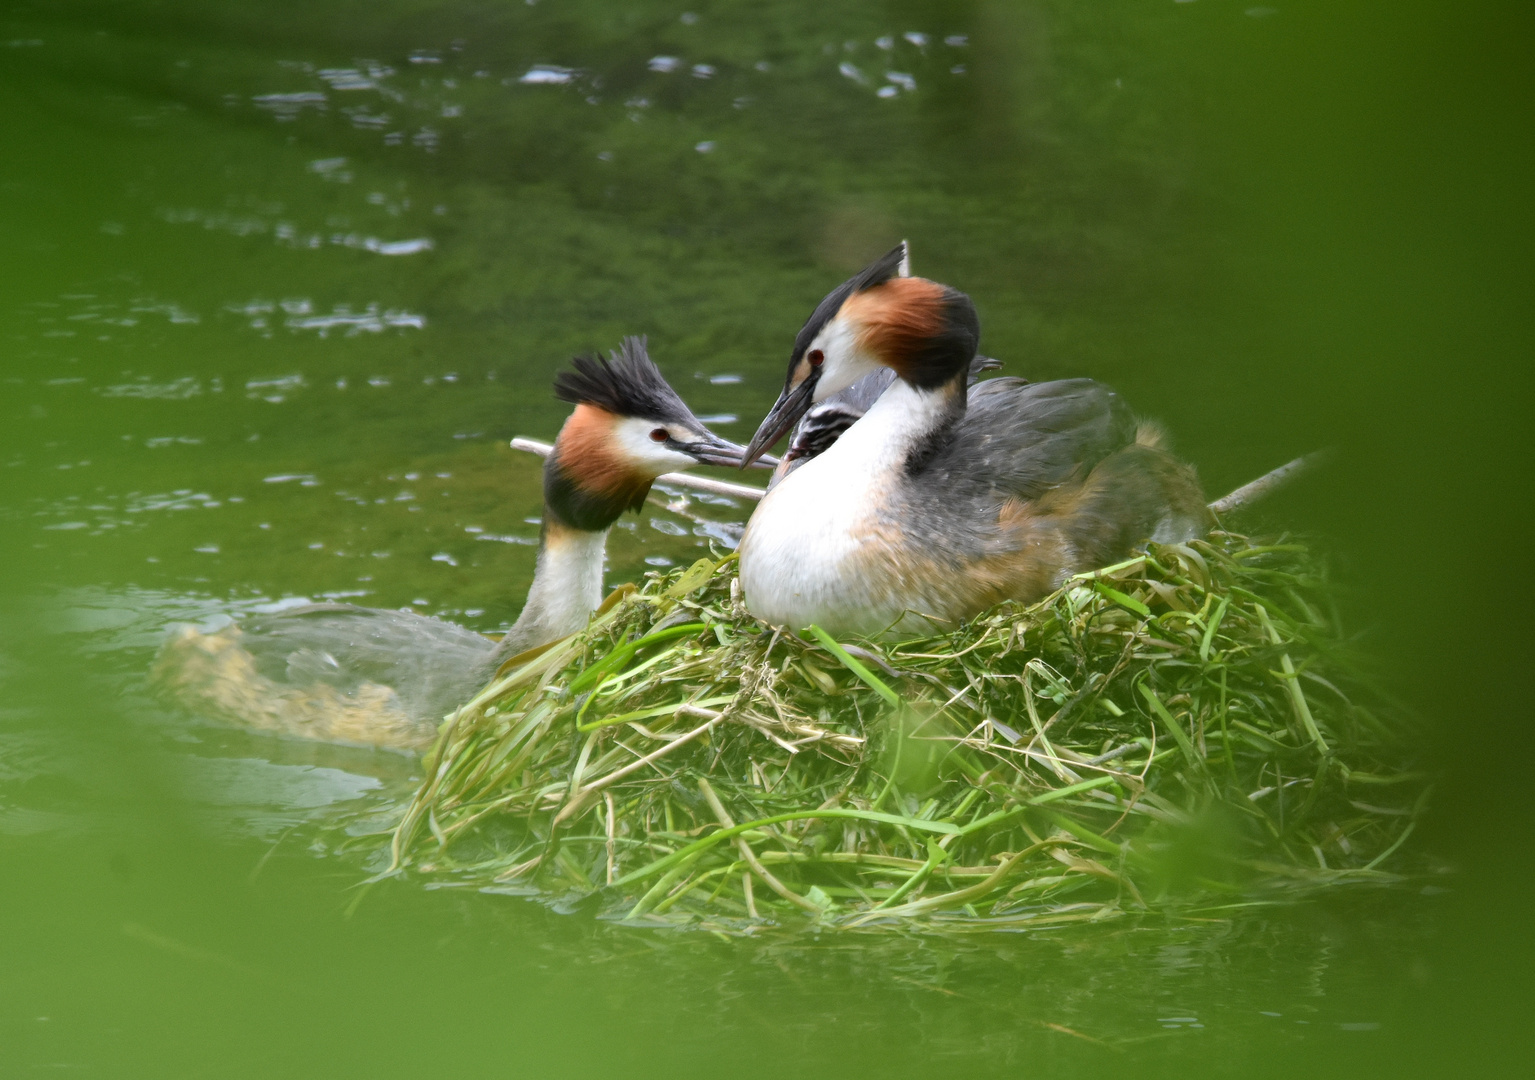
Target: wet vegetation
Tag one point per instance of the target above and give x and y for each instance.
(1182, 730)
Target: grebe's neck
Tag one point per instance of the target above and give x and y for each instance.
(567, 587)
(904, 426)
(820, 545)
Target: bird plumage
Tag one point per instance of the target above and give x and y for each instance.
(942, 500)
(379, 677)
(826, 421)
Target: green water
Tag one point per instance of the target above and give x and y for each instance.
(280, 279)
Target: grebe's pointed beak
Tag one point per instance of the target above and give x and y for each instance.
(708, 448)
(792, 404)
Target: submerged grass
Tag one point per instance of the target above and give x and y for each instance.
(1177, 730)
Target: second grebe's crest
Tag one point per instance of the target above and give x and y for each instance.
(625, 383)
(882, 317)
(629, 426)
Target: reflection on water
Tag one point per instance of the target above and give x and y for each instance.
(261, 798)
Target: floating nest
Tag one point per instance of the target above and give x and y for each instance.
(1184, 729)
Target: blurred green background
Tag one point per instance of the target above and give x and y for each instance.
(280, 280)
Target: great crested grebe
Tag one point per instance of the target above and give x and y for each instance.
(629, 427)
(942, 500)
(825, 421)
(376, 677)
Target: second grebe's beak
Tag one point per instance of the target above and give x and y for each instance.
(792, 404)
(708, 448)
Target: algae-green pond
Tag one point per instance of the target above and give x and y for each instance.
(280, 281)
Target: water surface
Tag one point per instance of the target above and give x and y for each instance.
(282, 279)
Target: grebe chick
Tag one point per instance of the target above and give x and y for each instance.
(826, 421)
(376, 677)
(940, 500)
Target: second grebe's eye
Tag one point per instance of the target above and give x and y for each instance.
(815, 356)
(659, 434)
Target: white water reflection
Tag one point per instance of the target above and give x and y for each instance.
(333, 169)
(353, 79)
(175, 390)
(368, 321)
(291, 235)
(274, 390)
(290, 106)
(547, 75)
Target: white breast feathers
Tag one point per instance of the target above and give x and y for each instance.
(811, 551)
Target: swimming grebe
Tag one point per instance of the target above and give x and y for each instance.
(629, 427)
(377, 677)
(941, 501)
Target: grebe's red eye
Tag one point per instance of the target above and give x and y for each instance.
(659, 434)
(815, 356)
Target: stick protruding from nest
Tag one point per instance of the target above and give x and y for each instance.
(1151, 435)
(1268, 483)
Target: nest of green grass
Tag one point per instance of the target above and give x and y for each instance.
(1185, 728)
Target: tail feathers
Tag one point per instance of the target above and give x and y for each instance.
(213, 674)
(1152, 434)
(1137, 494)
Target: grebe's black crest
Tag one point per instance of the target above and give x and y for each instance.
(893, 263)
(627, 383)
(628, 428)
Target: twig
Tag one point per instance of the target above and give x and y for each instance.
(748, 856)
(608, 795)
(751, 899)
(579, 798)
(1267, 484)
(1239, 499)
(697, 483)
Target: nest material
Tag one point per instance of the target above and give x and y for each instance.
(1183, 725)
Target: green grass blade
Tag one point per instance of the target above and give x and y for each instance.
(620, 656)
(1174, 728)
(852, 663)
(1124, 600)
(697, 847)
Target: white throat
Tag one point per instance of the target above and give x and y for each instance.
(567, 587)
(893, 425)
(810, 551)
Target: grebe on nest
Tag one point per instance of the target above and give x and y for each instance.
(827, 420)
(942, 500)
(376, 677)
